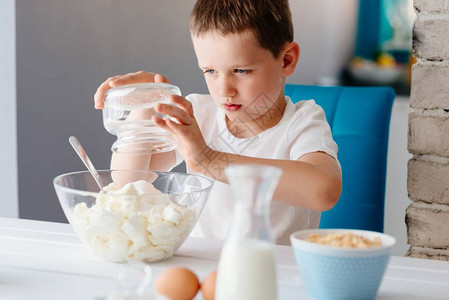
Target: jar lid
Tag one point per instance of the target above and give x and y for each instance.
(139, 95)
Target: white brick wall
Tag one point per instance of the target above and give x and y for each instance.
(432, 6)
(431, 36)
(427, 180)
(428, 88)
(429, 132)
(427, 225)
(427, 218)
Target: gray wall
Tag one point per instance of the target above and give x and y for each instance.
(8, 121)
(65, 49)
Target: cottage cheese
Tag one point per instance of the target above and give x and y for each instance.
(135, 222)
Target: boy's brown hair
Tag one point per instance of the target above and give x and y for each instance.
(269, 20)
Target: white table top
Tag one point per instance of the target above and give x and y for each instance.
(45, 260)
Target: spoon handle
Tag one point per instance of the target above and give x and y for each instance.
(82, 154)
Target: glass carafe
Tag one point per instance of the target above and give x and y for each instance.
(127, 114)
(246, 268)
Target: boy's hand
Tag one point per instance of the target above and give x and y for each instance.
(185, 129)
(129, 78)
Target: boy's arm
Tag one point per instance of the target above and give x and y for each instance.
(156, 162)
(124, 161)
(313, 181)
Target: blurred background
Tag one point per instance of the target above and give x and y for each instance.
(383, 44)
(55, 53)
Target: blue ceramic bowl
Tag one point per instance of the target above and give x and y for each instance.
(341, 273)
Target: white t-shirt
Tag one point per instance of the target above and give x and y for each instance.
(302, 129)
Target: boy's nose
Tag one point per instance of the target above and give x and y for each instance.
(227, 88)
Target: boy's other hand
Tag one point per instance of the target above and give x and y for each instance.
(182, 125)
(115, 81)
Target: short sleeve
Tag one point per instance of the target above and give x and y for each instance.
(310, 132)
(204, 109)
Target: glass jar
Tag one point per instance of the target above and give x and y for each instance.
(127, 114)
(246, 269)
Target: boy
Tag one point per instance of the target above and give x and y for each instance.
(245, 49)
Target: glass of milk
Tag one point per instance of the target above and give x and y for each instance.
(246, 268)
(127, 114)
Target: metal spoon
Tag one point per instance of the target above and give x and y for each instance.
(82, 154)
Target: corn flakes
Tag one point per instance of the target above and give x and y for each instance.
(345, 240)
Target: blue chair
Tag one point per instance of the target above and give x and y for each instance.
(359, 118)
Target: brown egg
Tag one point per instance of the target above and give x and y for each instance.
(208, 286)
(177, 284)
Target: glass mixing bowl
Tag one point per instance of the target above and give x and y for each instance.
(127, 114)
(129, 219)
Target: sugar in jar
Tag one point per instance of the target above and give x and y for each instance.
(127, 113)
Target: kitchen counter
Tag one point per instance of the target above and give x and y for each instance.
(46, 260)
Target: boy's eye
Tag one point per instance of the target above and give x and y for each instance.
(241, 71)
(209, 71)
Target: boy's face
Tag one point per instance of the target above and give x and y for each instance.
(244, 79)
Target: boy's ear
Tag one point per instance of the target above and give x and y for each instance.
(290, 57)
